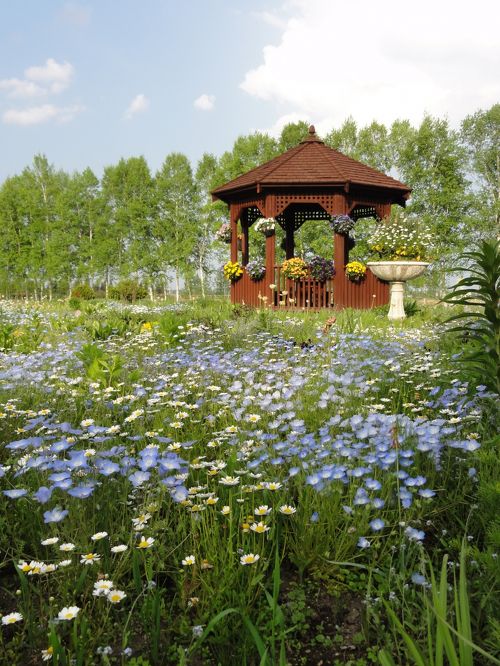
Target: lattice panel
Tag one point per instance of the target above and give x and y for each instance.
(301, 216)
(253, 214)
(327, 201)
(363, 211)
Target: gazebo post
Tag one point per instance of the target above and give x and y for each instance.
(270, 258)
(340, 259)
(234, 233)
(244, 240)
(290, 235)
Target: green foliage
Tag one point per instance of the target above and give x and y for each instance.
(479, 292)
(128, 290)
(448, 629)
(99, 366)
(83, 292)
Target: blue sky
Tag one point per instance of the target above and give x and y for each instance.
(88, 82)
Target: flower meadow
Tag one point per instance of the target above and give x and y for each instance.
(206, 484)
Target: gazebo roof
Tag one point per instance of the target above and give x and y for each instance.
(309, 164)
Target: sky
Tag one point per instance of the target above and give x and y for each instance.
(86, 82)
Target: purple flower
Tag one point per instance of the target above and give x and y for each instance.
(363, 542)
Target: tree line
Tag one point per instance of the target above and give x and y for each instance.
(59, 229)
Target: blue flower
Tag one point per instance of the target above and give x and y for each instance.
(363, 543)
(377, 524)
(15, 493)
(414, 535)
(418, 579)
(55, 516)
(43, 494)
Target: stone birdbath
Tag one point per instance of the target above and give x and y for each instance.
(397, 273)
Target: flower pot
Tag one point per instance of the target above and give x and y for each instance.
(397, 273)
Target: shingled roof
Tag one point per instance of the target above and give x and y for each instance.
(308, 164)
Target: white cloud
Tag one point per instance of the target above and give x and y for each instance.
(138, 105)
(204, 102)
(56, 76)
(271, 19)
(21, 88)
(370, 61)
(52, 77)
(36, 115)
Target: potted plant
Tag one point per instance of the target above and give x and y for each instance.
(321, 269)
(355, 271)
(256, 270)
(266, 225)
(294, 269)
(400, 249)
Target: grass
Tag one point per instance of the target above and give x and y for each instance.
(343, 457)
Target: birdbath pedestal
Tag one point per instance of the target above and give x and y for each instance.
(397, 273)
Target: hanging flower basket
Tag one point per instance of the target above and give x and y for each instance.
(321, 269)
(342, 224)
(233, 271)
(355, 271)
(294, 269)
(223, 233)
(266, 225)
(256, 270)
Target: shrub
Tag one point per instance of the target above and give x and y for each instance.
(128, 290)
(83, 291)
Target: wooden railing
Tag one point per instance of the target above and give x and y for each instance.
(308, 293)
(305, 293)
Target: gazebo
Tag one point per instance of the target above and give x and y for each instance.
(308, 182)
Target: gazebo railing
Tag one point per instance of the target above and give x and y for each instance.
(304, 293)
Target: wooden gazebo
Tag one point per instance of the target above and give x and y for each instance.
(308, 182)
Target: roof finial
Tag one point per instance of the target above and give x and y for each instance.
(311, 136)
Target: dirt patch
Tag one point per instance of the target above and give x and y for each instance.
(328, 625)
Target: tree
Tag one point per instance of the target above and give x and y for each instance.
(49, 243)
(14, 239)
(480, 134)
(80, 207)
(292, 134)
(124, 237)
(210, 215)
(175, 221)
(248, 152)
(430, 160)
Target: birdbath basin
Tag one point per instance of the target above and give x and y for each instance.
(397, 273)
